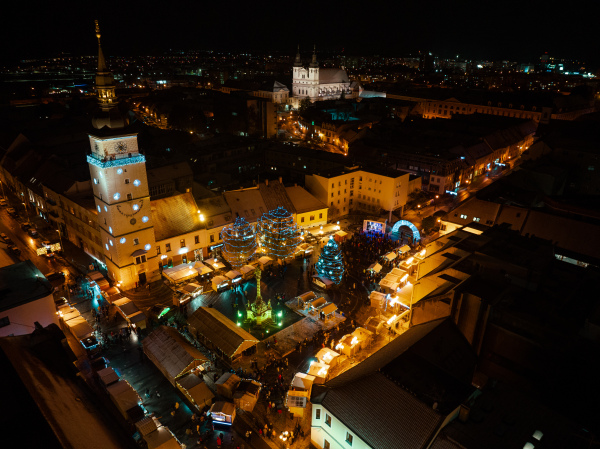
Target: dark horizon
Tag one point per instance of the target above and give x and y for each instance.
(515, 31)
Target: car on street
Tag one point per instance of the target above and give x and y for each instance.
(55, 276)
(3, 202)
(11, 212)
(33, 233)
(3, 236)
(13, 250)
(25, 226)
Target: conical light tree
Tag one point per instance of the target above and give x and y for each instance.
(239, 242)
(331, 263)
(278, 234)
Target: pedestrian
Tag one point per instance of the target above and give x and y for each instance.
(218, 442)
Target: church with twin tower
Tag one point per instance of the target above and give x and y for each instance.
(121, 193)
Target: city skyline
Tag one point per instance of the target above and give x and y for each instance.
(511, 31)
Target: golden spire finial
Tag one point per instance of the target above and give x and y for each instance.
(97, 30)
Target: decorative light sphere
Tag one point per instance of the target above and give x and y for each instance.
(147, 247)
(116, 196)
(123, 240)
(145, 219)
(239, 242)
(136, 183)
(279, 233)
(119, 171)
(136, 207)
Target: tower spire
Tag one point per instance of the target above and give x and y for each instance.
(314, 63)
(105, 91)
(298, 61)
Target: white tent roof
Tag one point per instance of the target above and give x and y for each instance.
(375, 267)
(264, 260)
(201, 268)
(247, 268)
(390, 256)
(233, 274)
(181, 272)
(108, 376)
(318, 369)
(170, 352)
(124, 395)
(326, 355)
(405, 248)
(303, 381)
(80, 327)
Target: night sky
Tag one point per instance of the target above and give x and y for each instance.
(516, 30)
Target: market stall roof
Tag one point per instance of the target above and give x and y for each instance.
(265, 260)
(390, 256)
(124, 394)
(218, 265)
(233, 274)
(196, 388)
(171, 353)
(128, 308)
(103, 284)
(398, 272)
(192, 288)
(341, 233)
(326, 355)
(304, 247)
(316, 303)
(108, 376)
(156, 435)
(227, 408)
(221, 331)
(405, 249)
(80, 327)
(202, 269)
(136, 317)
(219, 279)
(307, 297)
(95, 275)
(324, 280)
(72, 313)
(328, 308)
(120, 302)
(375, 267)
(180, 273)
(303, 381)
(247, 268)
(318, 369)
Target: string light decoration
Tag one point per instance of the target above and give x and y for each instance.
(239, 242)
(331, 263)
(278, 234)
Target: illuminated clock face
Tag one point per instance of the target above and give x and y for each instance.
(121, 147)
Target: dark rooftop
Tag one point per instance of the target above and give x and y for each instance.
(22, 283)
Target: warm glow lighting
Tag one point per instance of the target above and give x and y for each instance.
(354, 341)
(339, 346)
(327, 357)
(391, 320)
(409, 260)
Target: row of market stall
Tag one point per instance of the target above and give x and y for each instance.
(78, 326)
(309, 304)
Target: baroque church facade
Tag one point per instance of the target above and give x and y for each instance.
(318, 84)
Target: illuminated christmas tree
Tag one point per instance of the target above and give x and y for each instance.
(239, 242)
(331, 263)
(278, 234)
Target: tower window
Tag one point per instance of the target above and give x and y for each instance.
(167, 247)
(136, 241)
(129, 196)
(126, 180)
(182, 243)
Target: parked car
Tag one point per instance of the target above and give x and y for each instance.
(33, 233)
(55, 276)
(13, 250)
(3, 235)
(25, 226)
(12, 212)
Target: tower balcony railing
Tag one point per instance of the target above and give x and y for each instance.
(116, 160)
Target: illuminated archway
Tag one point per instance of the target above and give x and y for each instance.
(408, 224)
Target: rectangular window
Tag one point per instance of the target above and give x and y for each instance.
(326, 444)
(302, 220)
(197, 239)
(332, 204)
(476, 219)
(167, 247)
(318, 413)
(129, 196)
(331, 194)
(140, 259)
(5, 321)
(158, 249)
(182, 243)
(126, 180)
(348, 438)
(212, 238)
(136, 241)
(327, 419)
(321, 215)
(463, 216)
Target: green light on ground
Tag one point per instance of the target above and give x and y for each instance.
(164, 312)
(267, 331)
(239, 313)
(280, 324)
(238, 323)
(280, 314)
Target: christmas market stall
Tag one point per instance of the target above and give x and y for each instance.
(315, 304)
(305, 299)
(215, 264)
(180, 273)
(223, 413)
(235, 277)
(340, 236)
(352, 343)
(246, 395)
(107, 376)
(264, 262)
(375, 267)
(322, 282)
(319, 370)
(155, 435)
(172, 354)
(247, 272)
(327, 311)
(220, 283)
(378, 299)
(128, 310)
(226, 384)
(328, 356)
(404, 249)
(390, 256)
(195, 390)
(202, 269)
(125, 398)
(220, 334)
(303, 250)
(298, 394)
(185, 294)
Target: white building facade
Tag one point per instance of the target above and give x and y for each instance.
(328, 432)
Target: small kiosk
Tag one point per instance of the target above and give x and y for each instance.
(223, 413)
(328, 357)
(226, 384)
(264, 262)
(235, 277)
(352, 343)
(320, 371)
(247, 272)
(246, 395)
(378, 300)
(220, 283)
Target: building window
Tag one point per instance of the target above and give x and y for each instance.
(326, 444)
(312, 218)
(126, 180)
(463, 216)
(129, 196)
(136, 241)
(182, 243)
(318, 413)
(5, 321)
(332, 204)
(302, 220)
(331, 194)
(327, 419)
(158, 249)
(349, 438)
(212, 238)
(140, 259)
(321, 215)
(196, 239)
(167, 247)
(476, 219)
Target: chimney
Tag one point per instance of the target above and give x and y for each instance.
(266, 182)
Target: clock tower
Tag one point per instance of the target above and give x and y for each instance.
(122, 201)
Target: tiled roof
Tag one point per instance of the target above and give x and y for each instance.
(175, 215)
(302, 200)
(331, 76)
(274, 195)
(246, 203)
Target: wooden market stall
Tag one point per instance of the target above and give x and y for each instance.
(156, 435)
(180, 273)
(264, 262)
(319, 370)
(226, 384)
(352, 343)
(247, 272)
(223, 413)
(195, 390)
(220, 283)
(328, 356)
(234, 276)
(124, 396)
(327, 311)
(246, 395)
(107, 376)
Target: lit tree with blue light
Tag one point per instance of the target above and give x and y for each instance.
(239, 242)
(331, 263)
(279, 235)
